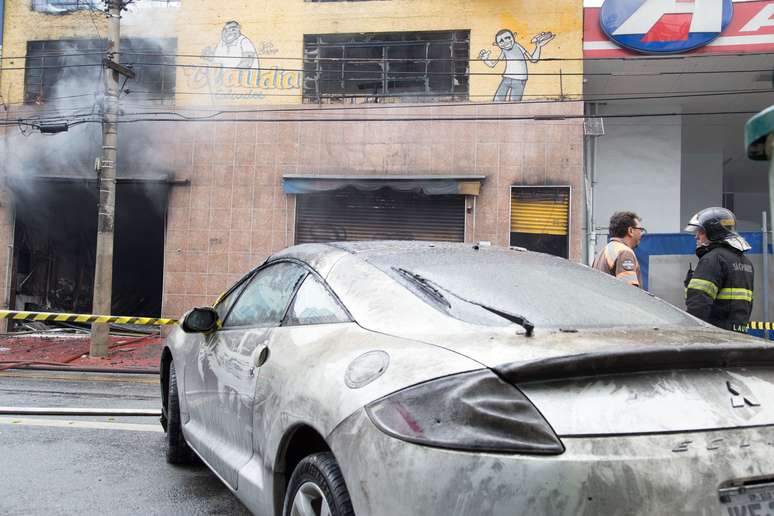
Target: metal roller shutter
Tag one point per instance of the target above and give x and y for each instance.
(540, 219)
(385, 214)
(543, 211)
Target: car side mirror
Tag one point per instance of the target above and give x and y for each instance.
(200, 320)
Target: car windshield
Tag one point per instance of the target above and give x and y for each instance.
(542, 289)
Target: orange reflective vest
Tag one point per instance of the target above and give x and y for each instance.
(619, 260)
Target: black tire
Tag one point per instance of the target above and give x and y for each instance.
(323, 471)
(178, 451)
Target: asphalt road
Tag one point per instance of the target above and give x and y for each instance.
(95, 464)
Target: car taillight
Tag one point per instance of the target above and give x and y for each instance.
(473, 411)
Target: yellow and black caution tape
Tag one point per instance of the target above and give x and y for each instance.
(83, 318)
(760, 325)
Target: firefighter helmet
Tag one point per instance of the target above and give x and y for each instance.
(720, 226)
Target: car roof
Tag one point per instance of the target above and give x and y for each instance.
(375, 247)
(380, 247)
(547, 290)
(322, 256)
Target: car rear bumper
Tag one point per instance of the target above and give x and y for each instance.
(634, 474)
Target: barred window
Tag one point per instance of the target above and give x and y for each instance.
(402, 66)
(61, 68)
(64, 6)
(60, 6)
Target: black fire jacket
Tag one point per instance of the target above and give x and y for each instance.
(720, 290)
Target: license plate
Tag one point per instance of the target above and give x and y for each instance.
(751, 500)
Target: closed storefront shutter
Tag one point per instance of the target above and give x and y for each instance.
(385, 214)
(540, 219)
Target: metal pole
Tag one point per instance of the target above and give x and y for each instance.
(770, 155)
(103, 270)
(591, 163)
(10, 207)
(765, 273)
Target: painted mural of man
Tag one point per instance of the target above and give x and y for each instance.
(514, 78)
(234, 48)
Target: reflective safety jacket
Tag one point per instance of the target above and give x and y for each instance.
(618, 259)
(720, 290)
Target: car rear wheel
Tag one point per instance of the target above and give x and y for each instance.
(178, 451)
(317, 489)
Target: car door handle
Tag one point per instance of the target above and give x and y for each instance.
(260, 356)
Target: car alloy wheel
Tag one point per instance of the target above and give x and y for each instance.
(310, 501)
(317, 488)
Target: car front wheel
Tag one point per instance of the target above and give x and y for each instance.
(178, 451)
(317, 488)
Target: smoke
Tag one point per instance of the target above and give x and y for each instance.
(75, 92)
(56, 221)
(28, 154)
(158, 16)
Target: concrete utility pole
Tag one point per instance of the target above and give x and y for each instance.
(106, 178)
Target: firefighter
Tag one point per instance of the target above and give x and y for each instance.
(720, 290)
(618, 258)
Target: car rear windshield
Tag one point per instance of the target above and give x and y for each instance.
(545, 290)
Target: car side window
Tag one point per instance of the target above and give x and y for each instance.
(223, 305)
(313, 304)
(266, 297)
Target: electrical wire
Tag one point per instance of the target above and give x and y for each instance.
(445, 119)
(53, 115)
(540, 118)
(93, 21)
(542, 98)
(60, 114)
(66, 97)
(393, 106)
(398, 75)
(219, 112)
(454, 60)
(22, 128)
(80, 65)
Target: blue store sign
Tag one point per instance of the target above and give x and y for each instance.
(664, 26)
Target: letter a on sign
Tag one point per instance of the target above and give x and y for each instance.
(664, 26)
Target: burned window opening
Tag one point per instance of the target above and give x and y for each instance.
(61, 68)
(425, 66)
(55, 246)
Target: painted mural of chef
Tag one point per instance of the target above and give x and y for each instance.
(515, 75)
(234, 48)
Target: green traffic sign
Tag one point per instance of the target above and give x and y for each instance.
(756, 131)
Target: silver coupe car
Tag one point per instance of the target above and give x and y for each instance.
(416, 378)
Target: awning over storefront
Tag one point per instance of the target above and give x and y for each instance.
(429, 185)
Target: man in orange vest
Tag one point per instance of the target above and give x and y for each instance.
(618, 258)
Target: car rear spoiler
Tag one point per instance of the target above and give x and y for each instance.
(643, 359)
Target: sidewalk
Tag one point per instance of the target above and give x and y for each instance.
(65, 352)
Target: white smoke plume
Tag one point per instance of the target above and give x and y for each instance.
(77, 95)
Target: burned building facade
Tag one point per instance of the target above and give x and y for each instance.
(246, 131)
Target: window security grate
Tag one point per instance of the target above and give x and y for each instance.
(401, 66)
(65, 6)
(60, 6)
(57, 68)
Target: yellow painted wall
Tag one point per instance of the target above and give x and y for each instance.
(277, 29)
